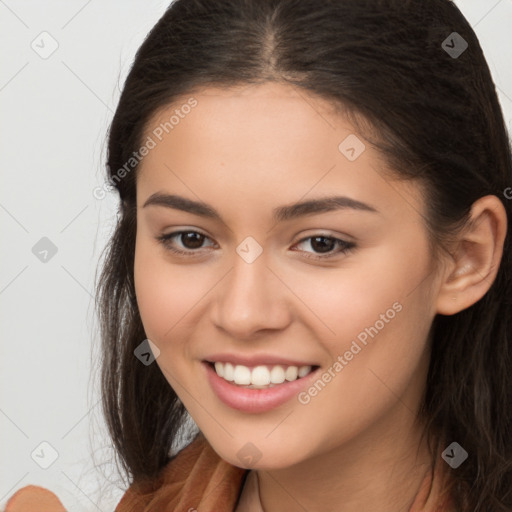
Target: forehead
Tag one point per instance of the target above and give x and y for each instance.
(271, 140)
(258, 111)
(236, 113)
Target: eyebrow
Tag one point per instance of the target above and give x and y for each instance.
(279, 214)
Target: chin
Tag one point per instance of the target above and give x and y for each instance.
(250, 457)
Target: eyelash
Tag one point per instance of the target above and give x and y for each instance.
(165, 240)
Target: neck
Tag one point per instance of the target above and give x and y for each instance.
(381, 470)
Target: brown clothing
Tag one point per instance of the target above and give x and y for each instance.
(198, 480)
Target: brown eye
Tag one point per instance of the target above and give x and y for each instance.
(190, 241)
(324, 245)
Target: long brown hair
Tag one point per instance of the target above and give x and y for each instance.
(435, 117)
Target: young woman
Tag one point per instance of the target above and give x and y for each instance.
(312, 260)
(313, 237)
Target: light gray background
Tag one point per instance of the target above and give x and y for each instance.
(55, 114)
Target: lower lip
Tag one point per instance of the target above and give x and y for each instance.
(255, 400)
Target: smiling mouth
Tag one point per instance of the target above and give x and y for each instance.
(260, 376)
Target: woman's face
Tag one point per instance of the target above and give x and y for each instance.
(260, 287)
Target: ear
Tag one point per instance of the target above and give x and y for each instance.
(476, 258)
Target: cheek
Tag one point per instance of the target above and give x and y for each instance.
(343, 302)
(376, 320)
(373, 314)
(165, 292)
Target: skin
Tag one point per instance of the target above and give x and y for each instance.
(244, 151)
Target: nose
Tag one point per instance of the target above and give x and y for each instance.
(251, 299)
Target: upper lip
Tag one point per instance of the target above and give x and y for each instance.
(256, 360)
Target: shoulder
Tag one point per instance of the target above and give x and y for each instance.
(34, 497)
(197, 478)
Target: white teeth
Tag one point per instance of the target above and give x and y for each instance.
(277, 375)
(291, 373)
(260, 376)
(304, 370)
(219, 368)
(242, 375)
(228, 372)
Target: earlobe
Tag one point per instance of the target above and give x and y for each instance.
(477, 257)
